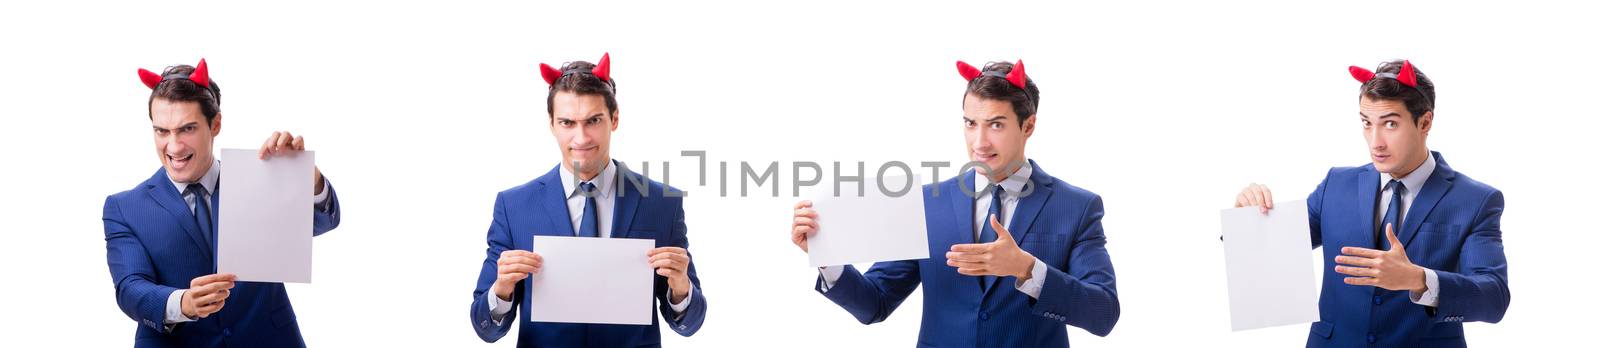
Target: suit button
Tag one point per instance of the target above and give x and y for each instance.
(983, 316)
(1377, 300)
(227, 332)
(1372, 338)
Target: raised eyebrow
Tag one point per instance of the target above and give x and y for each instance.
(996, 118)
(1388, 115)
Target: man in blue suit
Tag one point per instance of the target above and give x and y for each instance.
(161, 235)
(1411, 247)
(587, 195)
(992, 287)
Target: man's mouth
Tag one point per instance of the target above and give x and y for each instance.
(983, 156)
(1380, 157)
(178, 162)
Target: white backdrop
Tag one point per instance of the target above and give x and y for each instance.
(420, 114)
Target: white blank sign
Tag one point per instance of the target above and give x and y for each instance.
(592, 280)
(869, 226)
(264, 216)
(1271, 275)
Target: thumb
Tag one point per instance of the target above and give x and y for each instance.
(1394, 242)
(1000, 232)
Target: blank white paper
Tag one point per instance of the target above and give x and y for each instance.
(264, 216)
(871, 225)
(1271, 274)
(592, 280)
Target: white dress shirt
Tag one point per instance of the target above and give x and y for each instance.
(605, 186)
(1413, 182)
(209, 181)
(1013, 185)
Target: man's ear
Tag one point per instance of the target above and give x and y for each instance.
(615, 117)
(216, 125)
(1425, 123)
(1027, 126)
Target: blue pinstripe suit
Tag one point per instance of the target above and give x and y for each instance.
(1058, 223)
(1453, 228)
(539, 208)
(154, 247)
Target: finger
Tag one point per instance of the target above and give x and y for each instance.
(804, 221)
(211, 278)
(802, 204)
(803, 231)
(973, 271)
(1361, 281)
(1362, 252)
(1266, 196)
(517, 269)
(970, 248)
(284, 141)
(266, 146)
(1394, 242)
(667, 250)
(1355, 271)
(1000, 231)
(299, 143)
(1355, 261)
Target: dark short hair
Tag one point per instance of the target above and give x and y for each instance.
(578, 77)
(175, 86)
(1418, 100)
(1025, 102)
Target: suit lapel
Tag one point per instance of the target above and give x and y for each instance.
(627, 201)
(1367, 190)
(552, 199)
(160, 189)
(1434, 190)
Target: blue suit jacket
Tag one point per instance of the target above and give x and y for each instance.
(539, 207)
(1452, 227)
(1057, 223)
(154, 247)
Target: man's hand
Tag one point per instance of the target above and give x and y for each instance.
(206, 295)
(1255, 195)
(1389, 269)
(805, 224)
(1001, 257)
(513, 267)
(673, 263)
(284, 143)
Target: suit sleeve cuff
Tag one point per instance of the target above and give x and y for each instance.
(681, 306)
(498, 308)
(1429, 297)
(830, 275)
(1035, 283)
(175, 309)
(321, 199)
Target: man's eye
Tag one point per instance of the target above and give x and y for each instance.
(996, 125)
(1390, 124)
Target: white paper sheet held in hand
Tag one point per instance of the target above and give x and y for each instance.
(592, 280)
(264, 216)
(870, 225)
(1271, 268)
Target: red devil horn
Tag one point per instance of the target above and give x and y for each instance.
(1361, 74)
(550, 73)
(201, 76)
(968, 71)
(150, 79)
(1407, 75)
(603, 70)
(1018, 76)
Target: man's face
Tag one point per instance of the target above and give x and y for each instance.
(582, 126)
(1397, 144)
(994, 137)
(183, 138)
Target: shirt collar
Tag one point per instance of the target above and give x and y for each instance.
(1414, 180)
(602, 183)
(209, 181)
(1013, 183)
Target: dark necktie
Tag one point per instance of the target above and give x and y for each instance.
(1392, 216)
(202, 213)
(996, 209)
(589, 226)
